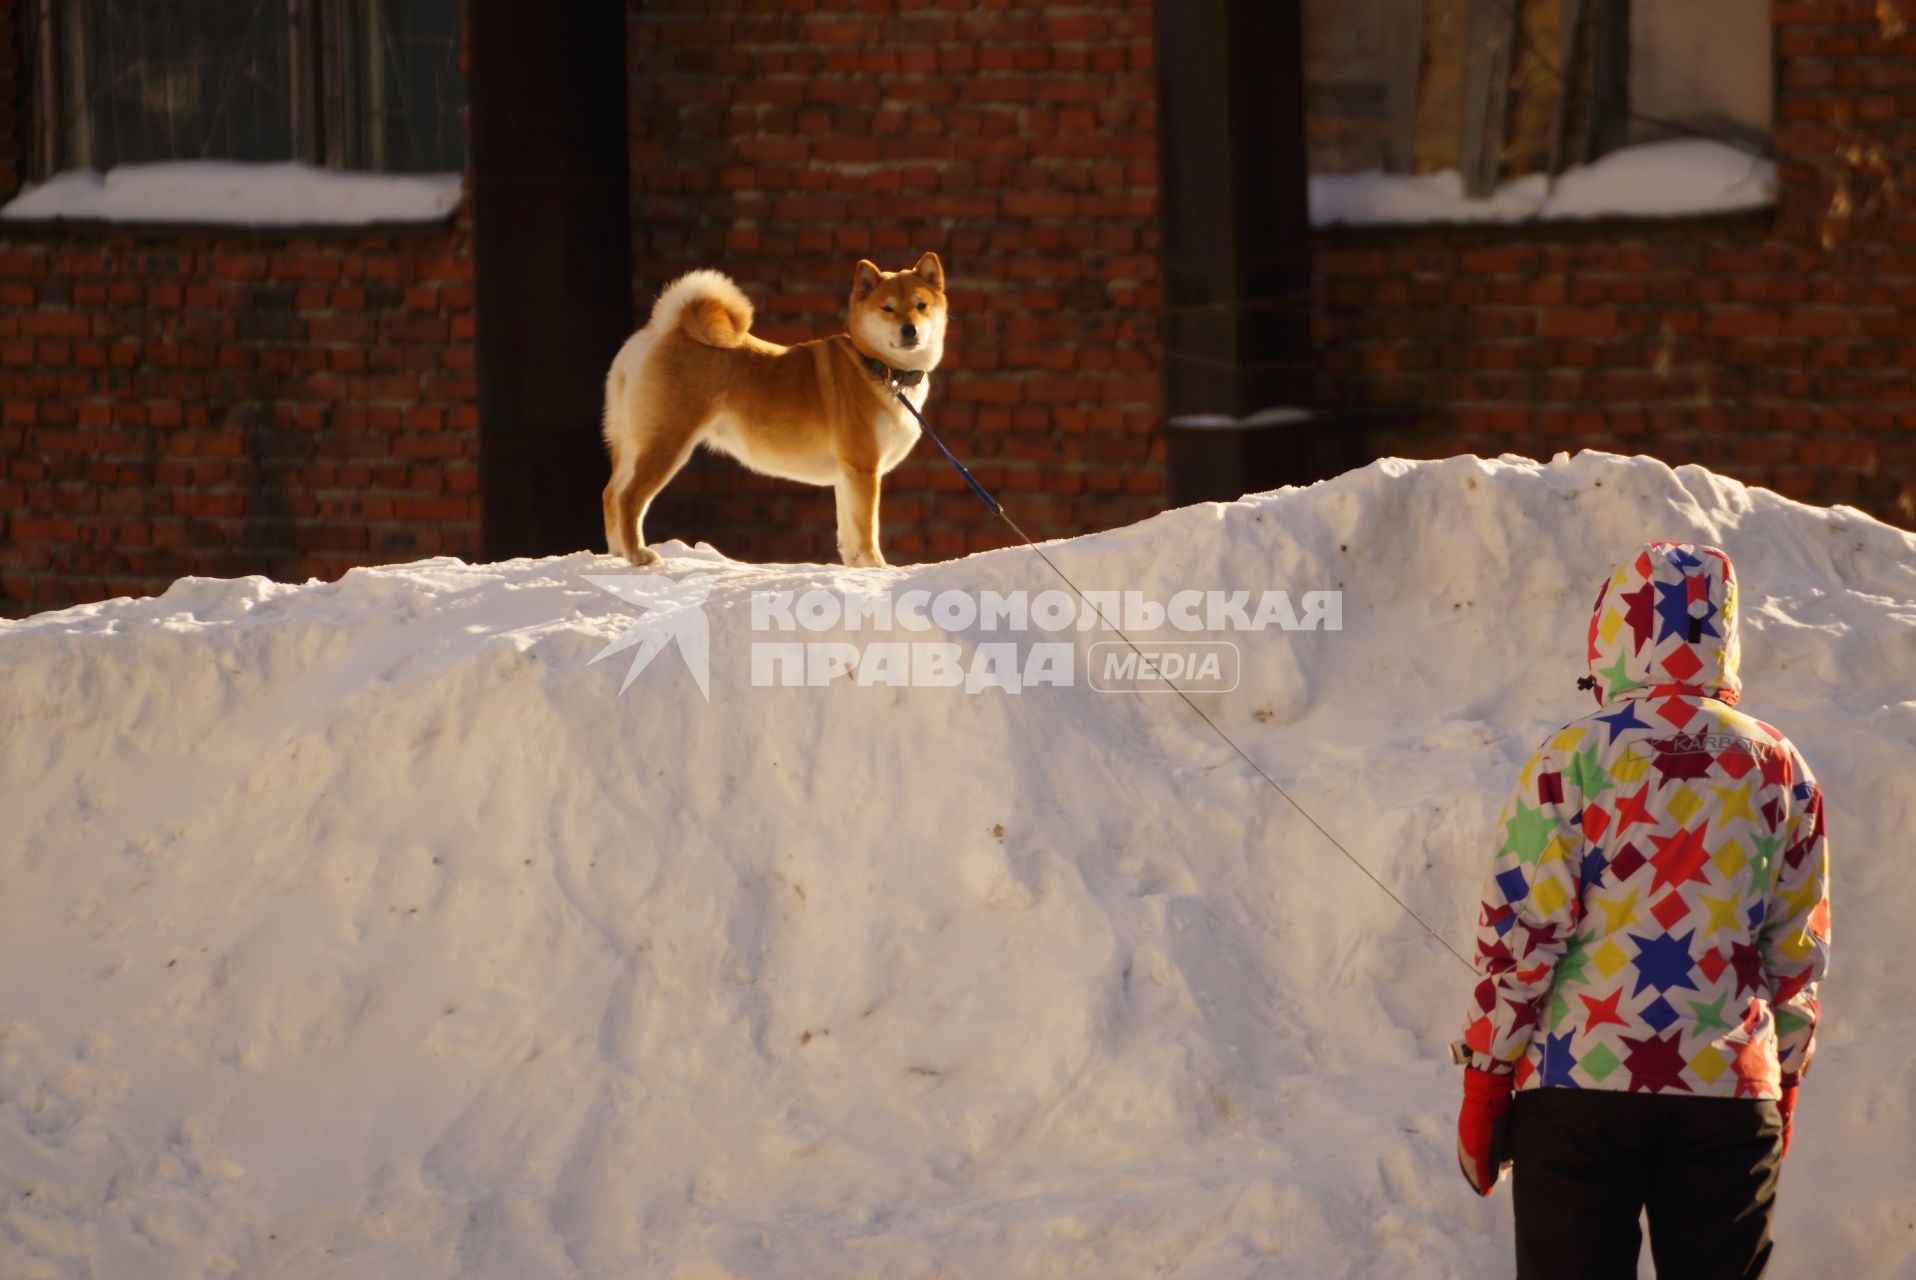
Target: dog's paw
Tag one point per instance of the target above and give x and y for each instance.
(643, 556)
(854, 559)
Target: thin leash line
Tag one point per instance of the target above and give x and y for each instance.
(997, 509)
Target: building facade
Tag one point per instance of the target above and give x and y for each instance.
(218, 401)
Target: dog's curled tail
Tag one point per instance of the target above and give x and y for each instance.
(707, 306)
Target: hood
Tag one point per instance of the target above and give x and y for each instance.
(1665, 622)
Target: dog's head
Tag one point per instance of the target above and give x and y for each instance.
(899, 316)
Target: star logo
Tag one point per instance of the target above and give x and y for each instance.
(1587, 774)
(1557, 1061)
(1632, 809)
(1656, 1063)
(1624, 717)
(1603, 1011)
(1723, 913)
(1680, 857)
(1663, 962)
(677, 616)
(1736, 803)
(1709, 1017)
(1642, 608)
(1527, 831)
(1618, 914)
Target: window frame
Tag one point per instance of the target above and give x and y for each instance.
(324, 74)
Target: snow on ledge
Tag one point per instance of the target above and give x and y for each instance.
(1281, 416)
(1680, 178)
(232, 193)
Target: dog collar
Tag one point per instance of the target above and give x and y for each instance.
(893, 377)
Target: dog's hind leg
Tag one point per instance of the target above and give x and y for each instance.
(656, 458)
(609, 503)
(857, 493)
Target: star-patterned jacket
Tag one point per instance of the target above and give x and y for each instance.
(1657, 918)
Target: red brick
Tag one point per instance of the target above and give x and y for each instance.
(56, 324)
(1741, 322)
(239, 266)
(22, 265)
(1574, 322)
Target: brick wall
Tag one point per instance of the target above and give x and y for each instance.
(217, 404)
(1776, 348)
(220, 402)
(1017, 142)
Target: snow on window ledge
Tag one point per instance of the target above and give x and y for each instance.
(229, 193)
(1683, 178)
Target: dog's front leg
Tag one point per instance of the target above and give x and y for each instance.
(857, 492)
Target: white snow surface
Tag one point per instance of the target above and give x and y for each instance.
(1681, 177)
(360, 929)
(231, 192)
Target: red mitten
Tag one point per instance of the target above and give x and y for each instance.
(1480, 1127)
(1787, 1105)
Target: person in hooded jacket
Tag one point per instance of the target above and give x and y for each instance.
(1653, 933)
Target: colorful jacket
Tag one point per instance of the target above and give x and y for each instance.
(1658, 915)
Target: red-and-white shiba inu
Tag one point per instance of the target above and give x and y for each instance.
(824, 412)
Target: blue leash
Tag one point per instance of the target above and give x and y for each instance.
(997, 508)
(991, 504)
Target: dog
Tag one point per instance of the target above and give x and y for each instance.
(823, 412)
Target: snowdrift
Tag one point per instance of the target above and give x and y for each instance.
(363, 929)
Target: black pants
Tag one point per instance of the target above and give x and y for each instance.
(1589, 1161)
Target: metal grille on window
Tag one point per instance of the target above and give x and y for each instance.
(352, 84)
(392, 85)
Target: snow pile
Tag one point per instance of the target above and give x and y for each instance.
(1684, 177)
(359, 929)
(229, 192)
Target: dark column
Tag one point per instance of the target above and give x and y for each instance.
(553, 262)
(1236, 245)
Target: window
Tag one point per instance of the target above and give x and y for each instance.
(348, 84)
(1701, 65)
(1500, 91)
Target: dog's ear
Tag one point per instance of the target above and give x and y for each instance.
(931, 271)
(865, 278)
